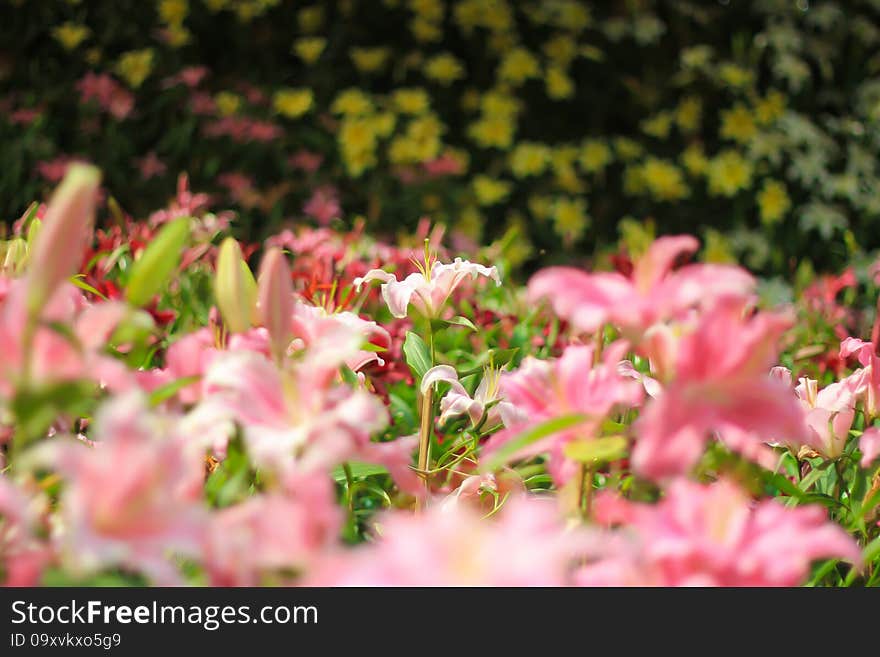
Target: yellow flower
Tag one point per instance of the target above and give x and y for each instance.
(173, 12)
(470, 100)
(420, 143)
(658, 125)
(773, 202)
(369, 60)
(728, 173)
(663, 180)
(411, 100)
(529, 159)
(470, 223)
(541, 207)
(429, 10)
(559, 85)
(309, 49)
(627, 149)
(694, 160)
(135, 65)
(517, 66)
(352, 102)
(227, 102)
(70, 34)
(490, 191)
(633, 180)
(493, 131)
(717, 248)
(356, 162)
(498, 102)
(310, 19)
(293, 103)
(426, 31)
(177, 36)
(357, 135)
(688, 114)
(561, 49)
(93, 55)
(444, 68)
(735, 76)
(383, 123)
(770, 107)
(594, 156)
(570, 219)
(737, 124)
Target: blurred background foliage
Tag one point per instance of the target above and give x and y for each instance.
(559, 128)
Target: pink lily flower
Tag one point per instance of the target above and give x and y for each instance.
(23, 555)
(719, 383)
(869, 443)
(653, 293)
(133, 497)
(714, 535)
(864, 382)
(542, 390)
(259, 540)
(299, 418)
(53, 357)
(524, 545)
(459, 402)
(427, 290)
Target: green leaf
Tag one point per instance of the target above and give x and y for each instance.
(596, 451)
(457, 321)
(82, 285)
(157, 263)
(417, 356)
(531, 436)
(171, 388)
(358, 471)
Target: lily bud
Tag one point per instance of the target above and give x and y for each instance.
(57, 249)
(234, 287)
(275, 299)
(14, 256)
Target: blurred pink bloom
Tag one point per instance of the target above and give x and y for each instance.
(869, 443)
(310, 325)
(190, 76)
(243, 129)
(23, 555)
(651, 294)
(275, 535)
(133, 500)
(202, 104)
(300, 419)
(54, 170)
(188, 356)
(864, 382)
(571, 385)
(713, 535)
(525, 544)
(719, 383)
(427, 293)
(323, 205)
(306, 160)
(444, 165)
(53, 357)
(24, 116)
(151, 166)
(111, 96)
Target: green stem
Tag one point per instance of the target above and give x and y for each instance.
(426, 417)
